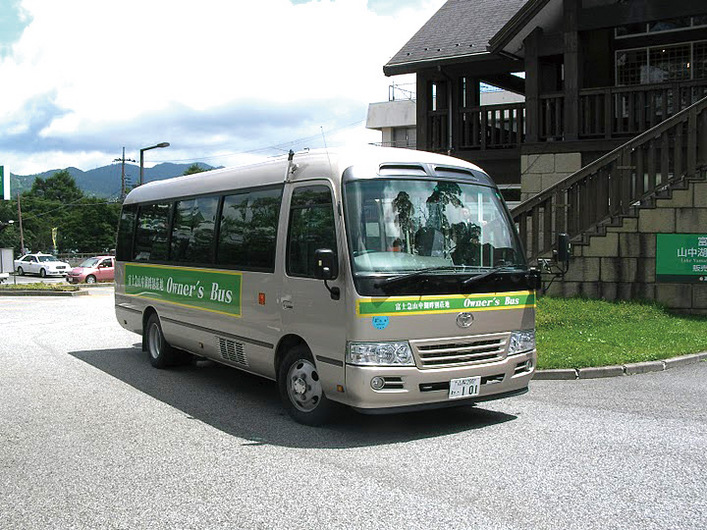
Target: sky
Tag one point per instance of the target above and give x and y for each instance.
(223, 81)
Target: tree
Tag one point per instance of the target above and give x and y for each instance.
(84, 224)
(59, 187)
(194, 168)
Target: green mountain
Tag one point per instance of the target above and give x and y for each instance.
(105, 181)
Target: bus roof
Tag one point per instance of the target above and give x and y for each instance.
(369, 161)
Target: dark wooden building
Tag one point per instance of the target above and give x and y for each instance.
(594, 73)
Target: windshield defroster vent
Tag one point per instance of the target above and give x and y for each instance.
(409, 170)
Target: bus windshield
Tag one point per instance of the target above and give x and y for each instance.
(398, 226)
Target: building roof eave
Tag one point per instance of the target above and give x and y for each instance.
(414, 66)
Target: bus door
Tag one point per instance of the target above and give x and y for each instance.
(308, 308)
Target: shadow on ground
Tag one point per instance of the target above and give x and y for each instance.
(247, 406)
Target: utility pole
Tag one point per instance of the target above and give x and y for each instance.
(19, 217)
(122, 173)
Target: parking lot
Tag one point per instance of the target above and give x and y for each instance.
(92, 437)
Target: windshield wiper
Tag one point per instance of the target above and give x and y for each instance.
(490, 272)
(416, 274)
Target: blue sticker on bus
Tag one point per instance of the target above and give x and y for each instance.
(380, 322)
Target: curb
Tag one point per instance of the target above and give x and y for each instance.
(619, 370)
(91, 285)
(46, 292)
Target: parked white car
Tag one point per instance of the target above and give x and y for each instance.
(42, 264)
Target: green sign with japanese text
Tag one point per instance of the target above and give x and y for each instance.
(428, 305)
(209, 290)
(681, 258)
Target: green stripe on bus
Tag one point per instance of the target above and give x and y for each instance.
(421, 305)
(209, 290)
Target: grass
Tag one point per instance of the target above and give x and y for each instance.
(38, 286)
(579, 333)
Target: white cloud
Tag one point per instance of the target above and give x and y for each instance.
(86, 70)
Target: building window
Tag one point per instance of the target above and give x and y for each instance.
(661, 64)
(669, 63)
(699, 60)
(660, 26)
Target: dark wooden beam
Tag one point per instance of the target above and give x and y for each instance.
(422, 107)
(508, 82)
(532, 85)
(572, 80)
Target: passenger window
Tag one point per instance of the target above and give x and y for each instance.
(193, 230)
(311, 228)
(248, 232)
(151, 233)
(126, 229)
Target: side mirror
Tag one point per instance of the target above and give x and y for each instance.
(326, 264)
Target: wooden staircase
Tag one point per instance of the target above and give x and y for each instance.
(651, 166)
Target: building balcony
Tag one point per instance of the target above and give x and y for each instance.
(607, 113)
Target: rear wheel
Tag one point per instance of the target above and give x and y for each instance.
(161, 353)
(20, 271)
(301, 390)
(90, 278)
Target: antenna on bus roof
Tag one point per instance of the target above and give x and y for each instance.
(291, 166)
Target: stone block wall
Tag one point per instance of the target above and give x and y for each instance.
(538, 172)
(620, 265)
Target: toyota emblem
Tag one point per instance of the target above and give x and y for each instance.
(464, 320)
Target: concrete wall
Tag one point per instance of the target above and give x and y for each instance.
(620, 265)
(538, 172)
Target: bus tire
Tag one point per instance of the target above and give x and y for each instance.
(300, 389)
(160, 352)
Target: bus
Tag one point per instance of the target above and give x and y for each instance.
(382, 279)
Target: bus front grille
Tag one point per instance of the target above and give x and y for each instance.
(233, 351)
(440, 353)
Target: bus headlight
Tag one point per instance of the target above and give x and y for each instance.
(379, 354)
(521, 341)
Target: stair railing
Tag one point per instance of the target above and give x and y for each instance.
(608, 188)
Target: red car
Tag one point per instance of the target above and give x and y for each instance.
(92, 270)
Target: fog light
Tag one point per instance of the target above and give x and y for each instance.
(377, 383)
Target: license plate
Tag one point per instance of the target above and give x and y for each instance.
(464, 387)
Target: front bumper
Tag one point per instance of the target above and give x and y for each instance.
(410, 388)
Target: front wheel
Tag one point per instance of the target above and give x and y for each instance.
(161, 353)
(90, 278)
(301, 389)
(43, 273)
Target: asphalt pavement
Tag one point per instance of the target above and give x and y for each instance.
(92, 437)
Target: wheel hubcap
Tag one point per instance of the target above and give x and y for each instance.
(303, 386)
(155, 341)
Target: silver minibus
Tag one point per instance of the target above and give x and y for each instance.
(383, 279)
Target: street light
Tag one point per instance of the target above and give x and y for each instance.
(142, 159)
(4, 225)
